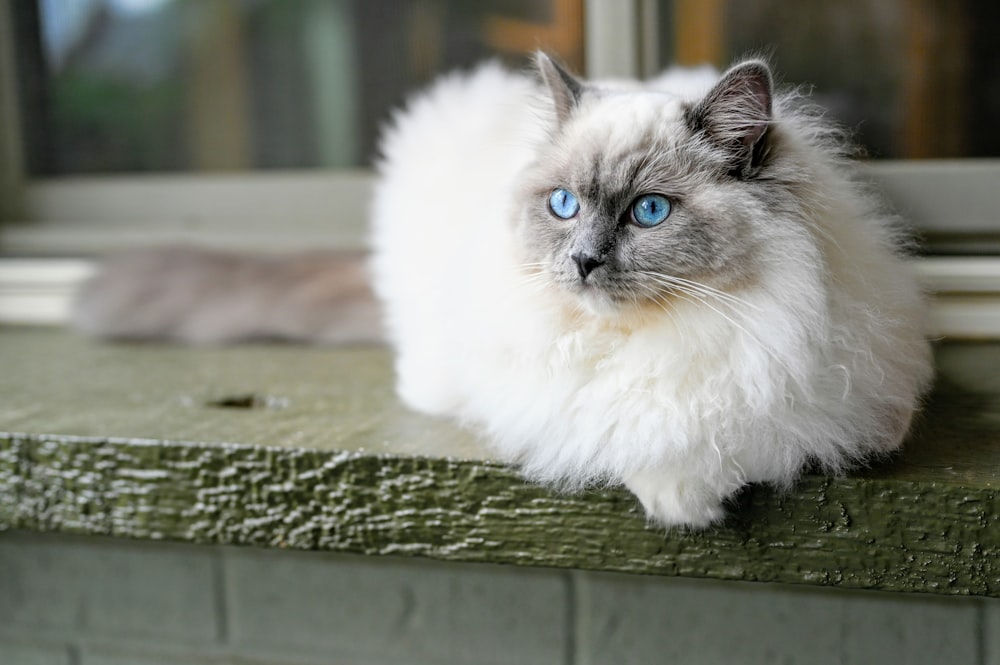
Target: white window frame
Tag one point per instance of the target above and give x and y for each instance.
(76, 217)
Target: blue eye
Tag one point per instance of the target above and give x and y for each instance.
(650, 209)
(563, 204)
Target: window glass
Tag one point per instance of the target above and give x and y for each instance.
(112, 86)
(912, 79)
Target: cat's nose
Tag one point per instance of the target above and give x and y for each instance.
(585, 263)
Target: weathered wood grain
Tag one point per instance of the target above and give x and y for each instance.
(320, 456)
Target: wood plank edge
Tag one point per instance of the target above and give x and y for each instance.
(838, 532)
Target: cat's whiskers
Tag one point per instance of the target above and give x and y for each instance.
(538, 278)
(699, 287)
(535, 279)
(695, 295)
(658, 298)
(531, 268)
(698, 293)
(697, 298)
(534, 285)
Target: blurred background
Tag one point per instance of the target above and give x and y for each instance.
(121, 86)
(251, 125)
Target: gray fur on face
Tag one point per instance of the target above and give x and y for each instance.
(715, 160)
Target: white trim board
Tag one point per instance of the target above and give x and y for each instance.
(39, 291)
(965, 302)
(960, 274)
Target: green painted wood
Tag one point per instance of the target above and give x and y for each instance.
(308, 448)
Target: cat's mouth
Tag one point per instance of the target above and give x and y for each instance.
(621, 297)
(602, 298)
(597, 302)
(609, 294)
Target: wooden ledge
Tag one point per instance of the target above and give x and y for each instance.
(300, 447)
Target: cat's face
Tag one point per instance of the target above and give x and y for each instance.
(640, 197)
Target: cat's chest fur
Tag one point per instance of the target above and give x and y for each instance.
(608, 395)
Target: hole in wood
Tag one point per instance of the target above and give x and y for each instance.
(248, 401)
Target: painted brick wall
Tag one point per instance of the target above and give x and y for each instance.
(89, 601)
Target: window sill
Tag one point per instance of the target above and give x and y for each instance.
(307, 448)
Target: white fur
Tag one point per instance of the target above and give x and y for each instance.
(685, 406)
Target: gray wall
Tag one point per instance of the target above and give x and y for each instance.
(90, 601)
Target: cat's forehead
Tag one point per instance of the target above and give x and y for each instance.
(613, 120)
(621, 141)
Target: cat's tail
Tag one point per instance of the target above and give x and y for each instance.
(202, 296)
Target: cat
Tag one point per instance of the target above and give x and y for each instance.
(678, 285)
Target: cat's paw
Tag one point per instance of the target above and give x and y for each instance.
(677, 502)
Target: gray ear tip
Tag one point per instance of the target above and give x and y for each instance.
(754, 68)
(564, 88)
(543, 61)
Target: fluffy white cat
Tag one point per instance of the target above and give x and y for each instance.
(675, 285)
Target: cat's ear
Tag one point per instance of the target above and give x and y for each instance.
(736, 114)
(565, 88)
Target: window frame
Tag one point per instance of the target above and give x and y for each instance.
(288, 210)
(90, 215)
